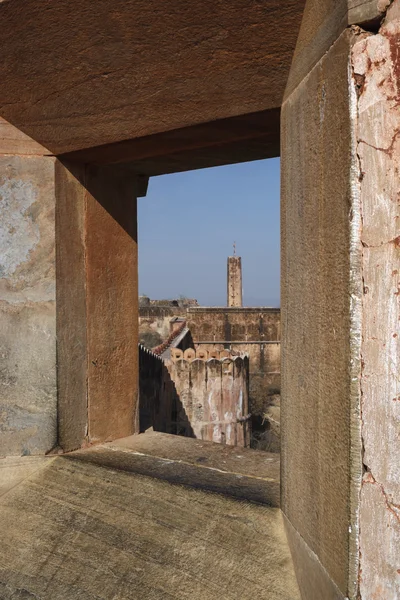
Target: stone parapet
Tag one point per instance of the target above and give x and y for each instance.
(214, 394)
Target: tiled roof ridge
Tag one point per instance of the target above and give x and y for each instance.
(158, 350)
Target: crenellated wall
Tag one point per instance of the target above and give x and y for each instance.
(213, 391)
(255, 332)
(160, 406)
(195, 394)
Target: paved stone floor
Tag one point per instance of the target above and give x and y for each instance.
(91, 525)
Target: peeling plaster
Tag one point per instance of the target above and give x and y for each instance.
(393, 508)
(356, 288)
(376, 63)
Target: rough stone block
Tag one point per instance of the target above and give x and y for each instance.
(367, 12)
(28, 421)
(97, 303)
(323, 22)
(321, 304)
(376, 64)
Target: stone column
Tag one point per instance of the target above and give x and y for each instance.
(28, 385)
(97, 304)
(340, 310)
(376, 80)
(68, 300)
(235, 281)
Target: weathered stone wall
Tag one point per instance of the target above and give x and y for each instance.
(195, 395)
(265, 375)
(376, 70)
(154, 323)
(97, 303)
(158, 400)
(28, 385)
(320, 318)
(68, 298)
(340, 310)
(251, 331)
(220, 327)
(214, 395)
(224, 324)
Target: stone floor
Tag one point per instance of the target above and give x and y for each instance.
(149, 517)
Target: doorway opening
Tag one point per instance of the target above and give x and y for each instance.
(188, 224)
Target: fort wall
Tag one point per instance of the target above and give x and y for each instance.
(195, 395)
(254, 331)
(156, 393)
(214, 394)
(154, 323)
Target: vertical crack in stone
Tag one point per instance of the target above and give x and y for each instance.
(356, 291)
(375, 62)
(358, 88)
(369, 479)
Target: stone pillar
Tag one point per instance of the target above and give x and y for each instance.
(68, 300)
(235, 281)
(97, 304)
(28, 386)
(340, 310)
(376, 79)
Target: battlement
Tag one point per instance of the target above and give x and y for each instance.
(213, 388)
(190, 354)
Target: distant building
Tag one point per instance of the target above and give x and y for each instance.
(255, 331)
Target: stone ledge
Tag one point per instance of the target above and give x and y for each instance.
(233, 472)
(74, 529)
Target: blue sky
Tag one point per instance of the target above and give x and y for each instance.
(189, 221)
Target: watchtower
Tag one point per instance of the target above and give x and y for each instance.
(234, 280)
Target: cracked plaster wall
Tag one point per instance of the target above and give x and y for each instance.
(360, 539)
(376, 67)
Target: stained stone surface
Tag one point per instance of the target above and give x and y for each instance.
(238, 472)
(97, 332)
(73, 529)
(28, 420)
(321, 291)
(376, 65)
(211, 59)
